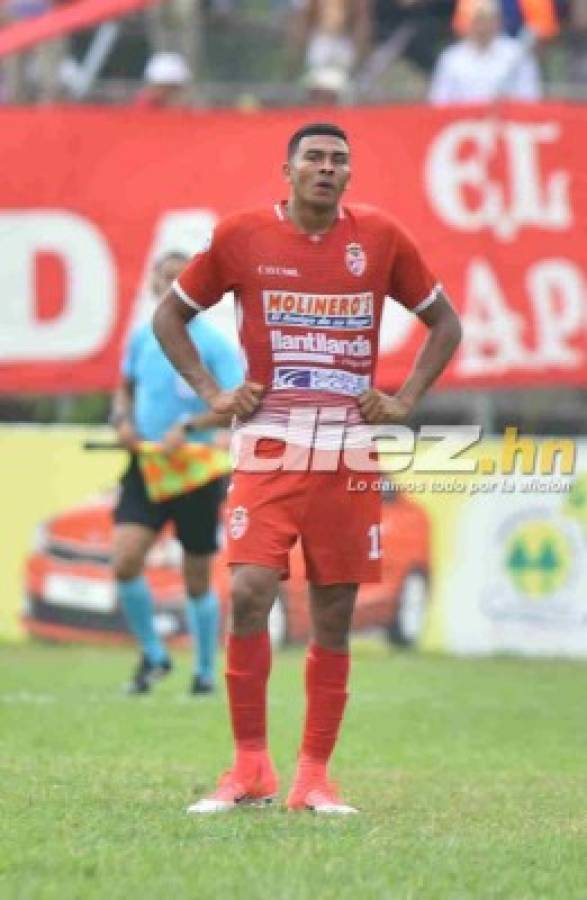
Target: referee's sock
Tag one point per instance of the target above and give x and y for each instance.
(202, 614)
(137, 603)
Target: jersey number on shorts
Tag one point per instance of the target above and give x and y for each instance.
(374, 534)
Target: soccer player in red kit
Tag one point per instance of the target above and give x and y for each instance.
(309, 278)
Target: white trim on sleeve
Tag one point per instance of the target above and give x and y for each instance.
(185, 297)
(428, 301)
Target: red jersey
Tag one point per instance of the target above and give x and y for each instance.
(309, 306)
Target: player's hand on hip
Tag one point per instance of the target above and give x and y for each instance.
(127, 435)
(174, 438)
(378, 408)
(241, 402)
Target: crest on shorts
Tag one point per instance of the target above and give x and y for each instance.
(238, 522)
(355, 259)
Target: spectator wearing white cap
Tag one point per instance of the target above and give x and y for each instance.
(167, 79)
(487, 65)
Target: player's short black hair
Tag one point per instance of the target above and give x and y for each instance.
(312, 129)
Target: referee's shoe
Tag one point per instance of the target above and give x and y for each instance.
(147, 674)
(200, 685)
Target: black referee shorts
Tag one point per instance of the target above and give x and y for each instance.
(195, 514)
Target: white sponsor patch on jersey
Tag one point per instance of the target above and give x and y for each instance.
(333, 380)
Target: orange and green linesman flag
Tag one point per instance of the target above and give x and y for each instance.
(190, 466)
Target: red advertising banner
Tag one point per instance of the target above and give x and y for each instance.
(497, 202)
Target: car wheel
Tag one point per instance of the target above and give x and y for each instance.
(278, 623)
(410, 614)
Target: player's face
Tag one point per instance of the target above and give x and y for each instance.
(319, 171)
(165, 274)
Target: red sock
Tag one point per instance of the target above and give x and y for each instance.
(248, 663)
(327, 674)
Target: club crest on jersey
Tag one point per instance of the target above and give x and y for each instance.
(238, 522)
(355, 259)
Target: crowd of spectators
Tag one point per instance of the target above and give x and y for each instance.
(318, 51)
(486, 64)
(33, 75)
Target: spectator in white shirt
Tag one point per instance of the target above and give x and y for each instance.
(486, 65)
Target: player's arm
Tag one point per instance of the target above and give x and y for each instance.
(204, 421)
(222, 361)
(413, 285)
(187, 424)
(444, 336)
(170, 326)
(170, 322)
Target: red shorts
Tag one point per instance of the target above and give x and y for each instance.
(336, 516)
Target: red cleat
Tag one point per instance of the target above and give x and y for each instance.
(253, 785)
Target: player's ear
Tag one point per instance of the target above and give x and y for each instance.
(286, 171)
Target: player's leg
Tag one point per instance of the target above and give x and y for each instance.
(196, 518)
(137, 522)
(130, 546)
(252, 778)
(248, 657)
(202, 615)
(326, 679)
(340, 552)
(260, 531)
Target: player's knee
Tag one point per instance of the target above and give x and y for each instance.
(197, 585)
(251, 599)
(248, 615)
(332, 615)
(332, 636)
(127, 565)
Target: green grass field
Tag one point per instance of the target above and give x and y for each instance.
(471, 777)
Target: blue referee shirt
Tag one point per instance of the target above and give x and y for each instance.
(161, 396)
